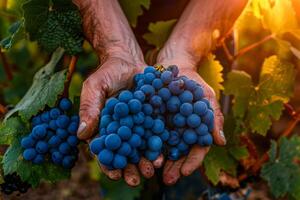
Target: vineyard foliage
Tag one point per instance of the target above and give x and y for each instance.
(252, 84)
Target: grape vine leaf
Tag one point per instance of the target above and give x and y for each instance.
(258, 104)
(133, 9)
(9, 129)
(211, 71)
(159, 32)
(278, 16)
(281, 172)
(44, 90)
(53, 26)
(124, 191)
(13, 162)
(16, 33)
(220, 158)
(239, 84)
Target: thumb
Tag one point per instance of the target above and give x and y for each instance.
(91, 101)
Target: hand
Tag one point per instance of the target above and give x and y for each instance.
(114, 75)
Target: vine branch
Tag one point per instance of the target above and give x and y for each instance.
(71, 70)
(6, 66)
(252, 46)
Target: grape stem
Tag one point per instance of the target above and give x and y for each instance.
(3, 110)
(71, 70)
(6, 66)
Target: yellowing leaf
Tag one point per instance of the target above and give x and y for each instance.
(159, 32)
(133, 9)
(211, 71)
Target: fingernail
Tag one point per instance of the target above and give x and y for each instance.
(223, 136)
(81, 128)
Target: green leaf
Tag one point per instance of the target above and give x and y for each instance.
(16, 32)
(239, 84)
(44, 90)
(133, 9)
(258, 105)
(276, 79)
(13, 161)
(9, 129)
(62, 29)
(119, 189)
(159, 32)
(35, 14)
(239, 152)
(211, 71)
(219, 158)
(281, 173)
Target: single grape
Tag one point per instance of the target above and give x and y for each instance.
(186, 109)
(75, 118)
(112, 127)
(149, 77)
(41, 147)
(112, 141)
(45, 117)
(124, 132)
(205, 140)
(126, 121)
(106, 111)
(125, 149)
(152, 155)
(110, 105)
(104, 121)
(125, 96)
(190, 85)
(158, 126)
(148, 123)
(182, 146)
(73, 140)
(121, 109)
(62, 133)
(119, 161)
(52, 124)
(189, 136)
(186, 97)
(200, 108)
(29, 154)
(57, 157)
(157, 83)
(54, 141)
(165, 135)
(198, 93)
(164, 93)
(173, 138)
(147, 109)
(208, 117)
(173, 104)
(154, 143)
(202, 129)
(39, 159)
(148, 90)
(135, 140)
(64, 148)
(179, 120)
(72, 128)
(139, 95)
(27, 142)
(139, 130)
(65, 104)
(156, 101)
(135, 106)
(166, 77)
(105, 156)
(176, 87)
(68, 162)
(36, 120)
(148, 134)
(54, 113)
(174, 69)
(62, 121)
(174, 153)
(193, 120)
(39, 131)
(97, 144)
(139, 118)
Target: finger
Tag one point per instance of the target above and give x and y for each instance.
(172, 173)
(158, 162)
(131, 175)
(218, 133)
(146, 168)
(112, 174)
(193, 160)
(90, 103)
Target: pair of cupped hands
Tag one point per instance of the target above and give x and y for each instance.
(116, 73)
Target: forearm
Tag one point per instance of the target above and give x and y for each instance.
(106, 28)
(202, 25)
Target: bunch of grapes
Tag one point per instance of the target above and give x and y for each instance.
(12, 183)
(164, 113)
(53, 137)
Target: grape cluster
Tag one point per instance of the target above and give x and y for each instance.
(53, 137)
(164, 113)
(12, 183)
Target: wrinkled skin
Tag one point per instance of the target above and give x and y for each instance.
(107, 29)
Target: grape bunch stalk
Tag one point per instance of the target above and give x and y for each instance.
(53, 137)
(13, 183)
(163, 114)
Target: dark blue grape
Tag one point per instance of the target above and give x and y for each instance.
(126, 121)
(149, 77)
(186, 109)
(97, 145)
(29, 154)
(147, 109)
(156, 101)
(174, 153)
(135, 140)
(139, 130)
(105, 156)
(45, 117)
(139, 95)
(174, 138)
(39, 159)
(73, 140)
(154, 143)
(125, 149)
(173, 104)
(112, 127)
(205, 140)
(54, 113)
(189, 136)
(200, 108)
(152, 155)
(158, 126)
(41, 147)
(179, 120)
(124, 132)
(193, 121)
(121, 109)
(186, 97)
(112, 141)
(62, 133)
(157, 83)
(65, 104)
(125, 96)
(62, 121)
(135, 106)
(119, 161)
(164, 93)
(27, 142)
(64, 148)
